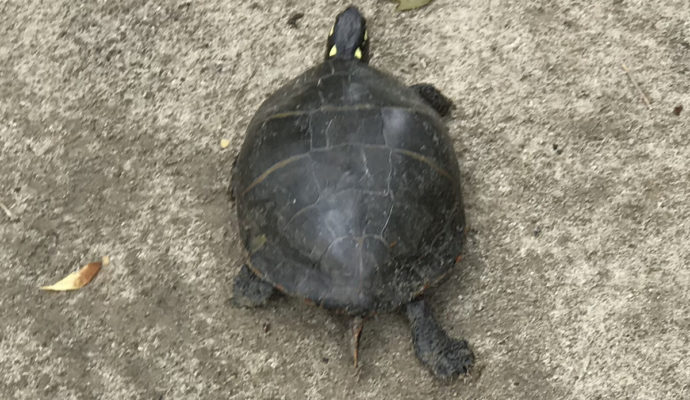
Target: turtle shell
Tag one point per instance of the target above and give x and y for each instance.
(347, 190)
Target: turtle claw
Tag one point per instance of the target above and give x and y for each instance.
(454, 358)
(446, 357)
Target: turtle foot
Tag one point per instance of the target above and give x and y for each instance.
(446, 357)
(434, 98)
(249, 290)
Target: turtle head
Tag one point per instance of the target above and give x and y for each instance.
(348, 38)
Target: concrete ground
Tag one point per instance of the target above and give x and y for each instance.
(575, 282)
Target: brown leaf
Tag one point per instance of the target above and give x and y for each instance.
(292, 21)
(79, 279)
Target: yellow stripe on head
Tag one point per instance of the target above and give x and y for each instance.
(332, 29)
(358, 54)
(365, 35)
(333, 51)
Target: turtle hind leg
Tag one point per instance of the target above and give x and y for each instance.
(434, 98)
(446, 357)
(249, 290)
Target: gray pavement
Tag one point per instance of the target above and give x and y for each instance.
(575, 282)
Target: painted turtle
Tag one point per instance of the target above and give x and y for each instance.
(348, 195)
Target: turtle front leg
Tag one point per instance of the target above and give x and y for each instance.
(249, 290)
(434, 98)
(446, 357)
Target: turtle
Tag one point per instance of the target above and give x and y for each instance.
(347, 191)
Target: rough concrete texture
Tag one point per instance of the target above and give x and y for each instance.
(575, 281)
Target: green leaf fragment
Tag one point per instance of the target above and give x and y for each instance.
(412, 4)
(256, 243)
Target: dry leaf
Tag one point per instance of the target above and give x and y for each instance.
(224, 143)
(412, 4)
(79, 279)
